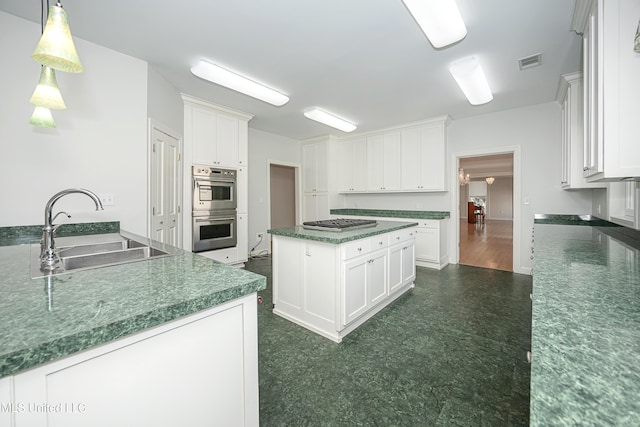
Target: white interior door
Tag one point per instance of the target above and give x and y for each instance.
(165, 187)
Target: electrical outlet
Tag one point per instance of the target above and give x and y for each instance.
(106, 199)
(259, 236)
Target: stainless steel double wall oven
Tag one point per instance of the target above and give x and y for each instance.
(214, 208)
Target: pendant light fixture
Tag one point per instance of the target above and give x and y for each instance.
(56, 48)
(47, 93)
(42, 117)
(490, 180)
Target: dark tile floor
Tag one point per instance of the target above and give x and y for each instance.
(452, 352)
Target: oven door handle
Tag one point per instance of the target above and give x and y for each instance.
(214, 219)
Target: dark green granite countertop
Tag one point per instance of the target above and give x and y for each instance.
(88, 308)
(392, 213)
(561, 219)
(338, 237)
(585, 325)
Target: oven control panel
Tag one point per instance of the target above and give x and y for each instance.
(207, 171)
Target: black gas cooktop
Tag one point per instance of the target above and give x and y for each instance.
(340, 224)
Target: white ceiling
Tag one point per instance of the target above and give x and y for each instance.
(365, 60)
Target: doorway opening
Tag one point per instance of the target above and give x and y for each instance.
(487, 217)
(486, 211)
(283, 186)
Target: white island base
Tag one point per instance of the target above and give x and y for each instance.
(331, 289)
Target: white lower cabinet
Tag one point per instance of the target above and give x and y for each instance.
(364, 284)
(200, 370)
(332, 289)
(431, 243)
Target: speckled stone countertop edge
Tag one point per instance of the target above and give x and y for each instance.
(336, 238)
(26, 358)
(392, 213)
(563, 219)
(21, 234)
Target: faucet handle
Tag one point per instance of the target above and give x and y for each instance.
(55, 227)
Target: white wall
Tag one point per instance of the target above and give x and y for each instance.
(536, 130)
(99, 142)
(265, 148)
(165, 103)
(500, 198)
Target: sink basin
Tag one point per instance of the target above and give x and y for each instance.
(94, 251)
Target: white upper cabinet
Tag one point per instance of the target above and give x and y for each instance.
(423, 157)
(314, 160)
(570, 97)
(352, 164)
(383, 162)
(217, 136)
(611, 88)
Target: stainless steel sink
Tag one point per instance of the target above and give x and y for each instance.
(87, 252)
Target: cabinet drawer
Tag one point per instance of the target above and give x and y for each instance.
(356, 248)
(402, 235)
(378, 242)
(428, 223)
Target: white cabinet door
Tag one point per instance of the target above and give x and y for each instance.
(423, 157)
(203, 130)
(409, 262)
(352, 165)
(377, 277)
(383, 162)
(396, 279)
(427, 244)
(243, 143)
(314, 161)
(227, 134)
(315, 206)
(355, 289)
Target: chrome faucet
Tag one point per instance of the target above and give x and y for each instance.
(48, 256)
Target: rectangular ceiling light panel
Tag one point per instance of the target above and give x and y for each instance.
(329, 120)
(440, 20)
(470, 77)
(218, 75)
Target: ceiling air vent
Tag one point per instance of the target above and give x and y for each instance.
(530, 61)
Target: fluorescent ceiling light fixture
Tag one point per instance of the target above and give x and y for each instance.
(440, 20)
(329, 120)
(469, 75)
(218, 75)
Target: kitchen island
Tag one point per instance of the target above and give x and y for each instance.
(332, 282)
(167, 341)
(586, 323)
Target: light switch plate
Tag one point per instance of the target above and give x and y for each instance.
(107, 199)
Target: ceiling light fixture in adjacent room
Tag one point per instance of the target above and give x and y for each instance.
(55, 48)
(440, 20)
(329, 119)
(490, 180)
(218, 75)
(462, 177)
(468, 73)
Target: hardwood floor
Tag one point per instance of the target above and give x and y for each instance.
(488, 245)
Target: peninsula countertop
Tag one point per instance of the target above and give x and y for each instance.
(585, 323)
(386, 213)
(48, 318)
(338, 237)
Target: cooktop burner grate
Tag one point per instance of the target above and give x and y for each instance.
(340, 224)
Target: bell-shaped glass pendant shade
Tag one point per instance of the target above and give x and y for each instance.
(47, 93)
(56, 48)
(42, 117)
